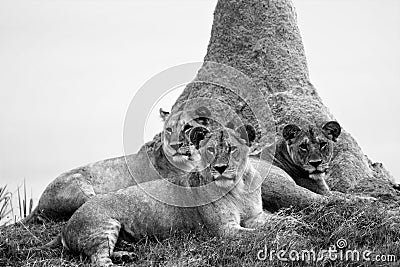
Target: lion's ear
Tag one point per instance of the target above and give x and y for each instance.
(203, 115)
(203, 112)
(290, 131)
(247, 133)
(230, 125)
(332, 130)
(164, 114)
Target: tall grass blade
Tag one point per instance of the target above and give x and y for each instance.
(5, 203)
(30, 205)
(19, 203)
(25, 202)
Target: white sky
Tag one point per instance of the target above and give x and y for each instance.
(69, 69)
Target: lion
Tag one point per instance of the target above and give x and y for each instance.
(224, 203)
(305, 154)
(280, 187)
(295, 168)
(168, 156)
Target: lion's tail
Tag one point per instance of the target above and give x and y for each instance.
(56, 242)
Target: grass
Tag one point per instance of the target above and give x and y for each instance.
(5, 205)
(363, 226)
(23, 208)
(6, 208)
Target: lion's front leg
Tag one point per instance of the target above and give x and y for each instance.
(322, 186)
(92, 234)
(232, 230)
(351, 198)
(102, 243)
(223, 219)
(279, 190)
(257, 221)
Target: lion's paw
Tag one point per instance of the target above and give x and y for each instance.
(123, 256)
(101, 261)
(365, 198)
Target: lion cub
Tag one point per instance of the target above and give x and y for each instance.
(219, 197)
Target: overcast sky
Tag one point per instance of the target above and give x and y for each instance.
(69, 69)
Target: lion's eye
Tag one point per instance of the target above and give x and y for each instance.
(211, 150)
(234, 149)
(323, 145)
(303, 147)
(168, 130)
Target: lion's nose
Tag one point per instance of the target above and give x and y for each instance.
(220, 168)
(176, 146)
(315, 163)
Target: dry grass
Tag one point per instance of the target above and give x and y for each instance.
(5, 205)
(364, 226)
(24, 209)
(6, 209)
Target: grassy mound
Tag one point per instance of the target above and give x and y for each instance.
(354, 226)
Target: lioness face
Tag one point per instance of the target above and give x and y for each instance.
(180, 129)
(226, 155)
(311, 148)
